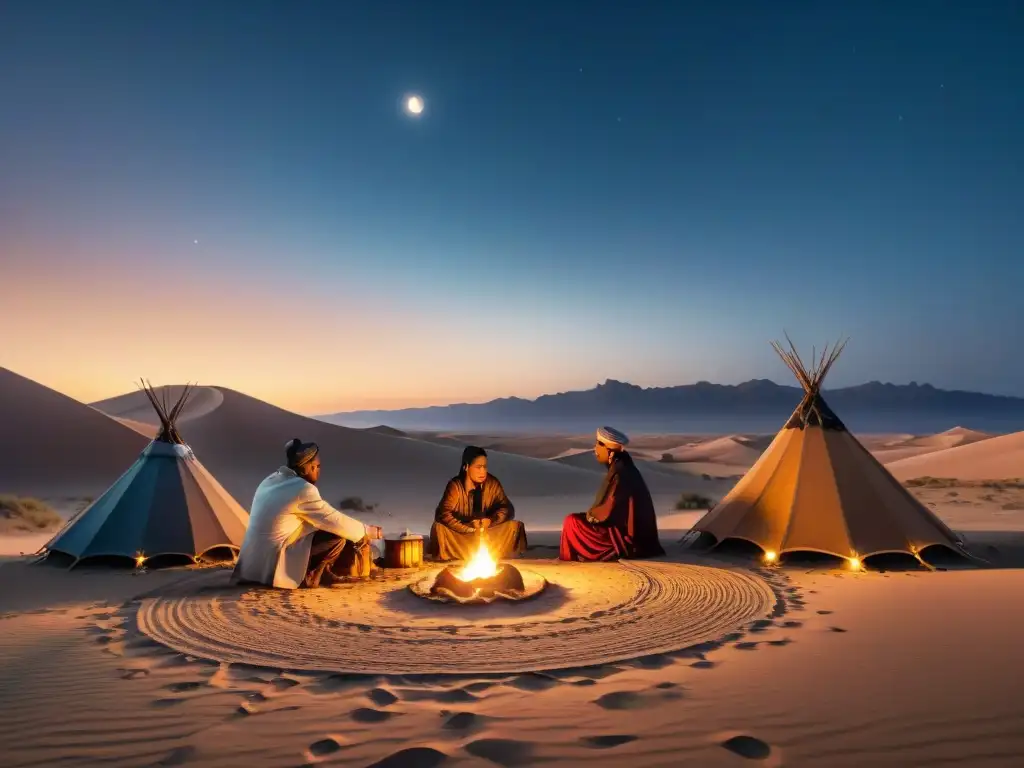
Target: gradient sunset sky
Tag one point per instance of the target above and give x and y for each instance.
(648, 191)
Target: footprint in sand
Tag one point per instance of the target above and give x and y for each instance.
(836, 629)
(368, 715)
(183, 687)
(654, 661)
(617, 700)
(761, 625)
(533, 682)
(793, 624)
(748, 747)
(322, 748)
(620, 700)
(126, 673)
(283, 683)
(165, 703)
(177, 756)
(508, 753)
(414, 757)
(607, 742)
(666, 684)
(824, 613)
(704, 664)
(780, 643)
(748, 646)
(452, 696)
(584, 681)
(381, 697)
(465, 721)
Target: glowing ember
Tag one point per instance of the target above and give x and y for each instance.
(482, 566)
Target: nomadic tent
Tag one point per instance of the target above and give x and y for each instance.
(166, 506)
(816, 488)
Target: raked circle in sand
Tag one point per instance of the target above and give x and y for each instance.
(594, 613)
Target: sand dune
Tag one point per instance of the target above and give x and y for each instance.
(384, 429)
(995, 458)
(241, 439)
(919, 445)
(135, 407)
(734, 450)
(948, 439)
(54, 445)
(889, 455)
(583, 458)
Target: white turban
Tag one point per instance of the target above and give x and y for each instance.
(612, 437)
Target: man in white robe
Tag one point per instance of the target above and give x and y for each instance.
(294, 537)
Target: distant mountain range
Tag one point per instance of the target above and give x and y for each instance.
(758, 405)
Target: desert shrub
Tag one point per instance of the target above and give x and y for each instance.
(27, 515)
(693, 501)
(931, 482)
(356, 504)
(705, 476)
(667, 458)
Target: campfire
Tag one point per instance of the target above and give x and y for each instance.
(481, 566)
(480, 579)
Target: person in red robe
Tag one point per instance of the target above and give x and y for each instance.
(621, 523)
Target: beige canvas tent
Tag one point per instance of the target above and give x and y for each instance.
(166, 508)
(817, 489)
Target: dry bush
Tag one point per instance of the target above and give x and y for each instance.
(356, 504)
(932, 482)
(27, 515)
(693, 501)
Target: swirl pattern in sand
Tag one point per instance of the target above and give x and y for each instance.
(591, 613)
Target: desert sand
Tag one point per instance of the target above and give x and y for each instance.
(686, 659)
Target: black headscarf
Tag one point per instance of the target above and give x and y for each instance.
(469, 455)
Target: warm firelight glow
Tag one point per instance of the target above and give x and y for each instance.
(770, 556)
(482, 566)
(855, 563)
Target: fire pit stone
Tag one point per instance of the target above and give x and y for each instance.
(507, 580)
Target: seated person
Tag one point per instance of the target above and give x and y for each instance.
(621, 523)
(294, 537)
(475, 504)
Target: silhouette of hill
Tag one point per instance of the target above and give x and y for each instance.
(756, 405)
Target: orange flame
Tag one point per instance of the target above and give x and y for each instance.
(481, 566)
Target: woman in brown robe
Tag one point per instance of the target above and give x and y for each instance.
(473, 505)
(621, 522)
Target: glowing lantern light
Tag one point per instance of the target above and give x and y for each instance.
(855, 563)
(770, 556)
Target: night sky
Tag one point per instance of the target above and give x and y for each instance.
(232, 192)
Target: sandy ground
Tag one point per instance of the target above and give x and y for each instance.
(838, 669)
(686, 660)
